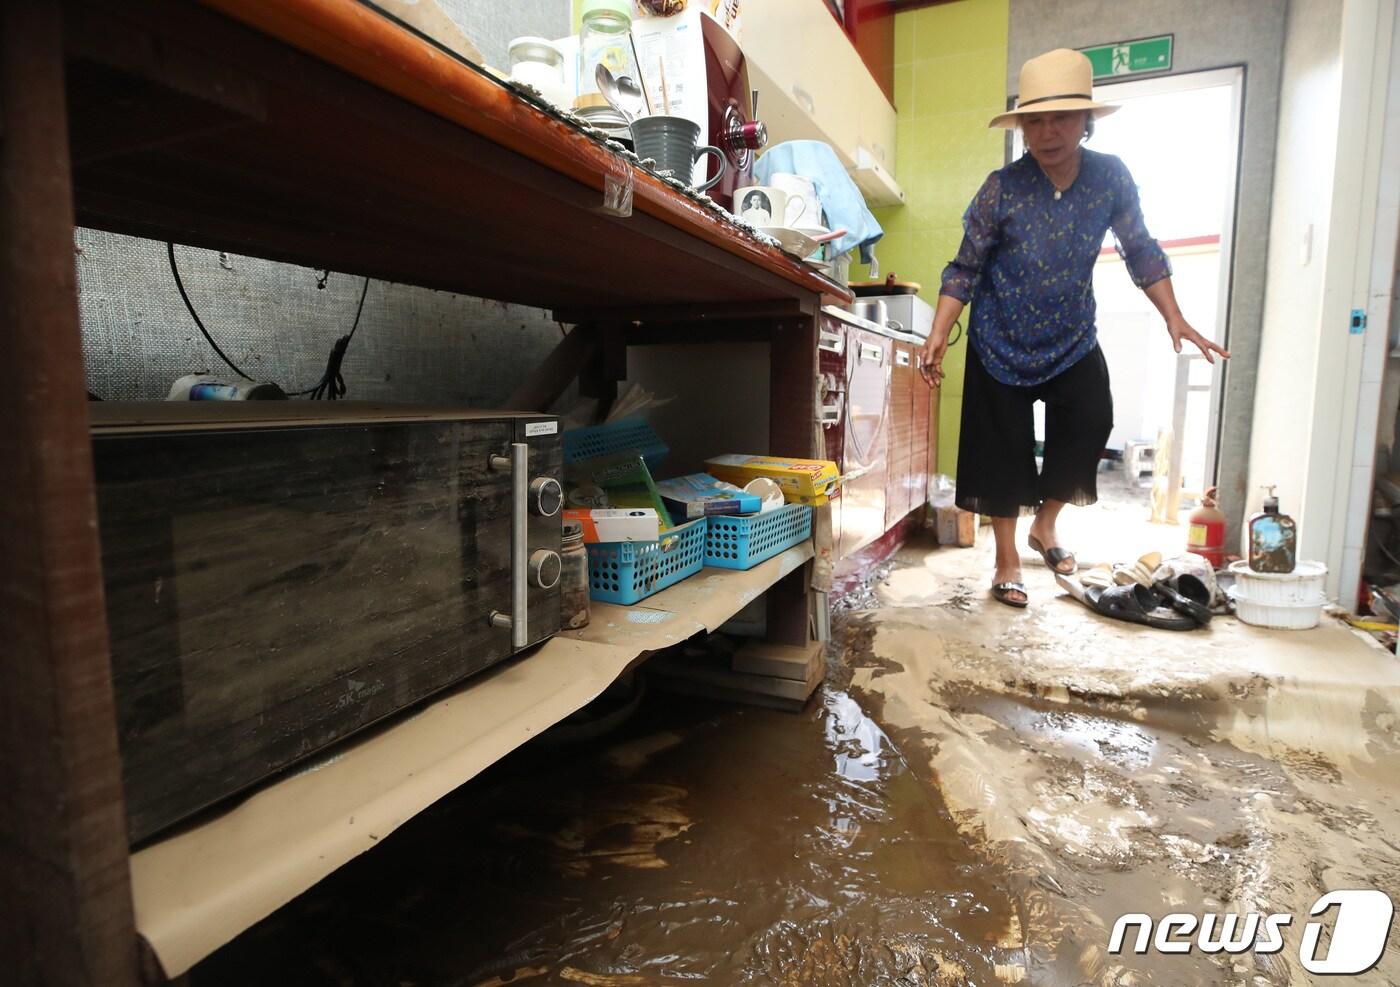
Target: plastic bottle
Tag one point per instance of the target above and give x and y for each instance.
(1272, 538)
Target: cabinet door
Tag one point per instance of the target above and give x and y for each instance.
(901, 442)
(921, 398)
(866, 466)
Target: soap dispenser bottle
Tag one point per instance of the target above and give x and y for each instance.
(1273, 538)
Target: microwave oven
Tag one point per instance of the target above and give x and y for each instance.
(280, 575)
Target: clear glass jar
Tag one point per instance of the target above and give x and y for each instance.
(604, 39)
(573, 578)
(536, 62)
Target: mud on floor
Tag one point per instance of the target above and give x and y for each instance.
(1107, 769)
(700, 844)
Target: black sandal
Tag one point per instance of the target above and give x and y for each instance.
(1053, 556)
(1191, 605)
(1001, 593)
(1136, 604)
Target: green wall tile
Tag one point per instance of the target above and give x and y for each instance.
(951, 62)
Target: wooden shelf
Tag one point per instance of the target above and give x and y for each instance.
(321, 132)
(199, 888)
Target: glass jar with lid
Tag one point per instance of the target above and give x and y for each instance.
(604, 39)
(573, 580)
(538, 63)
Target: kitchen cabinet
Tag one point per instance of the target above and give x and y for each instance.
(819, 89)
(321, 133)
(899, 488)
(879, 423)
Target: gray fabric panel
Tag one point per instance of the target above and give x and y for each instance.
(413, 344)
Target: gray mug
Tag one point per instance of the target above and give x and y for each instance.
(674, 144)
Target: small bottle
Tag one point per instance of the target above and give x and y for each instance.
(573, 578)
(1273, 538)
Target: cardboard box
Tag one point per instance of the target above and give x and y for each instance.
(956, 526)
(804, 481)
(625, 480)
(613, 524)
(700, 495)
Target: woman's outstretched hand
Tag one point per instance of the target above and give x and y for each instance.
(931, 357)
(1181, 332)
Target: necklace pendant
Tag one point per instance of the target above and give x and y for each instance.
(1057, 195)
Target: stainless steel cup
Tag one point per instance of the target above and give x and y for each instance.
(674, 144)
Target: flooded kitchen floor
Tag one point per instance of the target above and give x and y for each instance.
(700, 843)
(973, 799)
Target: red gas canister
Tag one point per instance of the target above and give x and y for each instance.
(1206, 535)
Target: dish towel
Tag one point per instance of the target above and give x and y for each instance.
(841, 199)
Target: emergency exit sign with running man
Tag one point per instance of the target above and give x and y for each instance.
(1131, 57)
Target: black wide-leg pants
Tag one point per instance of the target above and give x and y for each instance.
(996, 446)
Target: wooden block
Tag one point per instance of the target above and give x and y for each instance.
(956, 527)
(779, 661)
(712, 679)
(705, 690)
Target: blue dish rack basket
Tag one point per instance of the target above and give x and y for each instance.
(744, 541)
(629, 435)
(629, 571)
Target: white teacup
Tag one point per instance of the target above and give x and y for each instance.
(767, 205)
(800, 187)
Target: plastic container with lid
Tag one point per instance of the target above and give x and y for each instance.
(605, 38)
(539, 63)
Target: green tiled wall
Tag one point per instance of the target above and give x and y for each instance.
(950, 79)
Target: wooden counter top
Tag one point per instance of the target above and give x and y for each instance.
(323, 133)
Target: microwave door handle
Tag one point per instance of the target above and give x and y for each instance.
(518, 465)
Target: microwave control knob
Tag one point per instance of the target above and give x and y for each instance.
(545, 569)
(546, 496)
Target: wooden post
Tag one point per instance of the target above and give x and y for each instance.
(793, 431)
(63, 849)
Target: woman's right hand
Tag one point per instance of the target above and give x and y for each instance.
(936, 346)
(931, 357)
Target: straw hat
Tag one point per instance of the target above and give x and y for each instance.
(1058, 80)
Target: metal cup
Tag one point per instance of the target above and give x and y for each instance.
(674, 144)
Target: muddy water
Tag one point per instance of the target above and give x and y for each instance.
(698, 844)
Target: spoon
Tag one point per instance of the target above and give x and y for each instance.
(621, 92)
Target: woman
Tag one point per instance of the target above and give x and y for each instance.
(1032, 236)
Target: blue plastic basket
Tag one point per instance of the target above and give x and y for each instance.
(630, 435)
(628, 571)
(744, 542)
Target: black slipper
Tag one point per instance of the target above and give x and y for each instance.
(1193, 608)
(1000, 593)
(1136, 604)
(1053, 556)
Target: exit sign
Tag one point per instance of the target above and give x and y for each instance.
(1131, 57)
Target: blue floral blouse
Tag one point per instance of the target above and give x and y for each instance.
(1027, 260)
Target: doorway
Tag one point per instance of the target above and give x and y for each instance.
(1180, 137)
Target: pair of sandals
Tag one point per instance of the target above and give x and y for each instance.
(1001, 592)
(1177, 602)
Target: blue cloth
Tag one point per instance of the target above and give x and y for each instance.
(1027, 263)
(841, 199)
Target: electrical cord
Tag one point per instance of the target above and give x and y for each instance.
(175, 270)
(332, 384)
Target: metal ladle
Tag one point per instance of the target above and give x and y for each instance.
(621, 92)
